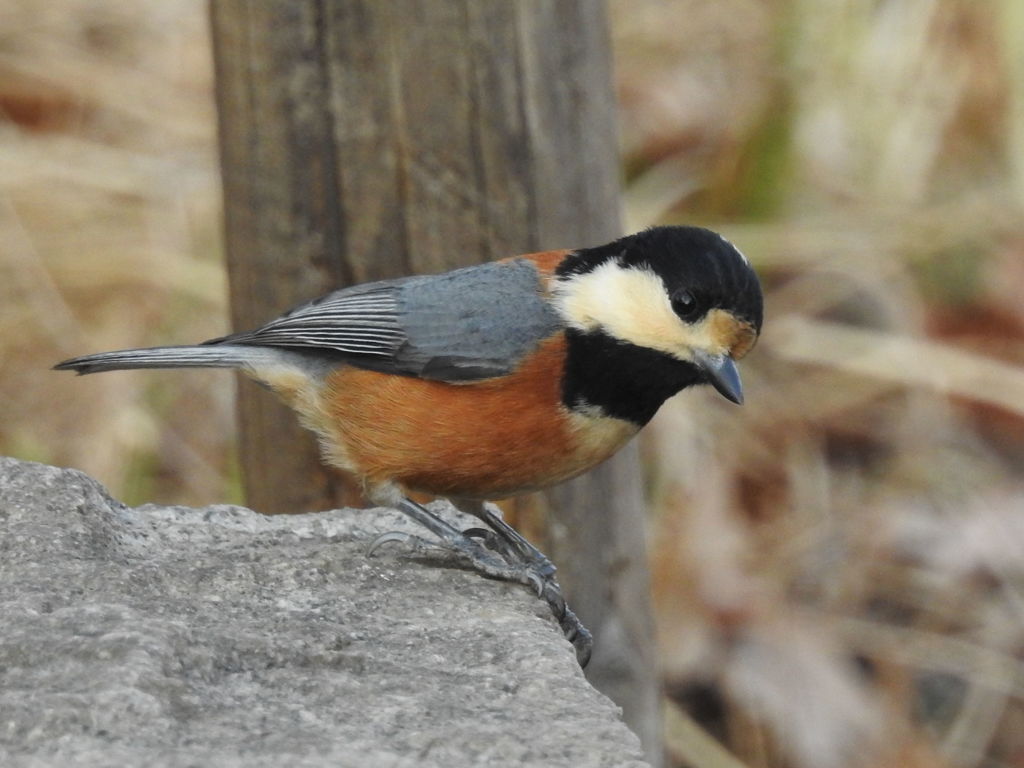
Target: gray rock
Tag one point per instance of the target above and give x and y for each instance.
(169, 636)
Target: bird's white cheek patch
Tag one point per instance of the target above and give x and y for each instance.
(631, 305)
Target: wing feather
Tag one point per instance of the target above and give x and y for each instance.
(362, 320)
(466, 325)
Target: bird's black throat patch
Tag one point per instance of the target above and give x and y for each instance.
(624, 380)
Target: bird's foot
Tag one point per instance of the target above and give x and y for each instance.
(499, 552)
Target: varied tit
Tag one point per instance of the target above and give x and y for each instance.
(497, 379)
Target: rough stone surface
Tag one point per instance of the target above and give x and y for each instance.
(164, 636)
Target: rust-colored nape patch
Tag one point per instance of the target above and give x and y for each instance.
(728, 332)
(545, 261)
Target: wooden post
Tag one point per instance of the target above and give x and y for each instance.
(364, 139)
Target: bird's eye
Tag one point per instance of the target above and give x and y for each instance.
(685, 305)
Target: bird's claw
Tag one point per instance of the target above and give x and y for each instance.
(577, 634)
(391, 537)
(535, 582)
(417, 544)
(499, 552)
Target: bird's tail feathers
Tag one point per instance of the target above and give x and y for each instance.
(213, 356)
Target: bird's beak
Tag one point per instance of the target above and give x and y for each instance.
(721, 374)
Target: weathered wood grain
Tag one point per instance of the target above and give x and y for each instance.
(364, 139)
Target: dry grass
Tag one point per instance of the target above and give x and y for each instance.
(838, 565)
(110, 222)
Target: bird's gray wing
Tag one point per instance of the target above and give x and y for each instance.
(465, 325)
(361, 320)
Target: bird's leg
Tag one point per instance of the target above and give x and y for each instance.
(512, 543)
(455, 542)
(503, 554)
(515, 548)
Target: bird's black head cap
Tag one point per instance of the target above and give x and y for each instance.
(701, 270)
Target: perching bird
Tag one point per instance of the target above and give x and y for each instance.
(498, 379)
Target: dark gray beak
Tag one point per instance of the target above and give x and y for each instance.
(722, 375)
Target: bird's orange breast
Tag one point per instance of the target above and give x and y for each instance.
(486, 439)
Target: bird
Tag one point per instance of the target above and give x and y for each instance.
(498, 379)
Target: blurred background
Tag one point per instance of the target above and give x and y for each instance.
(838, 565)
